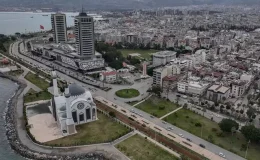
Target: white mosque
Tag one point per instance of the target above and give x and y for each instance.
(74, 107)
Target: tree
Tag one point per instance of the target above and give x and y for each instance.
(112, 114)
(250, 112)
(251, 133)
(156, 90)
(227, 124)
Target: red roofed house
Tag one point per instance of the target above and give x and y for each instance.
(170, 82)
(108, 77)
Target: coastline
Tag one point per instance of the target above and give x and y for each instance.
(13, 138)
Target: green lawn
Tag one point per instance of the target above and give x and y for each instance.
(127, 93)
(103, 130)
(32, 96)
(157, 106)
(36, 80)
(187, 119)
(143, 53)
(139, 148)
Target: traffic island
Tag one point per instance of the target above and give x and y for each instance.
(127, 93)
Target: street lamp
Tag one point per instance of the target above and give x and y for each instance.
(247, 147)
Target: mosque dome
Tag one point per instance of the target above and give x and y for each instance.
(76, 90)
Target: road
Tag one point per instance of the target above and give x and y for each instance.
(142, 87)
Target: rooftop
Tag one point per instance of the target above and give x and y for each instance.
(164, 53)
(219, 88)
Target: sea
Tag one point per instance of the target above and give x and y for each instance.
(7, 90)
(26, 22)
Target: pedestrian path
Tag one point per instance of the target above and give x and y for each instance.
(130, 134)
(142, 100)
(171, 112)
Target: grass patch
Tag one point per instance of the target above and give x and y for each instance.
(137, 147)
(143, 53)
(127, 93)
(157, 106)
(32, 96)
(103, 130)
(188, 121)
(36, 80)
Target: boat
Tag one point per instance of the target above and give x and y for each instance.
(31, 16)
(45, 15)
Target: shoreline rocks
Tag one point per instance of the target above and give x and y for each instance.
(23, 150)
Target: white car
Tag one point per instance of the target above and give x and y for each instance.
(181, 135)
(164, 122)
(221, 155)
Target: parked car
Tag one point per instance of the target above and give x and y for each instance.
(151, 116)
(163, 122)
(189, 140)
(221, 155)
(181, 135)
(202, 145)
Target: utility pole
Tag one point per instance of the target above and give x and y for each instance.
(201, 131)
(247, 147)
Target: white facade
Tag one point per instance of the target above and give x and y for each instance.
(84, 33)
(163, 57)
(59, 27)
(199, 57)
(238, 88)
(160, 73)
(192, 87)
(74, 107)
(108, 77)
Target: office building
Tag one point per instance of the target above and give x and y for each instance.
(84, 34)
(59, 27)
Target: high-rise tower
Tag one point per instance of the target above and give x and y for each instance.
(84, 33)
(59, 27)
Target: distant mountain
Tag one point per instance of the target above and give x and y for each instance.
(118, 4)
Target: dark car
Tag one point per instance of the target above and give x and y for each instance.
(189, 140)
(201, 145)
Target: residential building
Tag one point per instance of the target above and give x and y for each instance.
(163, 57)
(192, 87)
(160, 73)
(170, 82)
(108, 77)
(84, 33)
(238, 88)
(59, 27)
(218, 93)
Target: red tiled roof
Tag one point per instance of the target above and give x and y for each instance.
(109, 73)
(170, 78)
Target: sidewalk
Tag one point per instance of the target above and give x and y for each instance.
(171, 113)
(142, 100)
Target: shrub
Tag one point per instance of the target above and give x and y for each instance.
(161, 107)
(198, 124)
(187, 117)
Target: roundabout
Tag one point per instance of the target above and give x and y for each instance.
(127, 93)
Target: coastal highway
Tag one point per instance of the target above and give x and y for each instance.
(142, 87)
